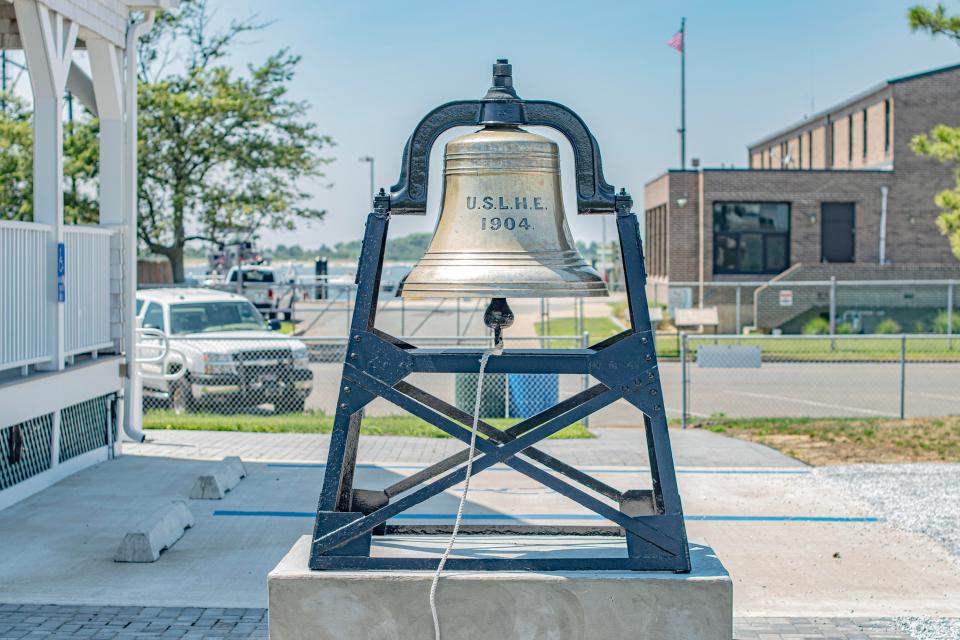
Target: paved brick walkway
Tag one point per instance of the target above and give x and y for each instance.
(103, 623)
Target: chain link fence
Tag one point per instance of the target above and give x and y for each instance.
(820, 306)
(319, 308)
(274, 375)
(818, 376)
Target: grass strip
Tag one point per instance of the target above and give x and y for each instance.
(318, 422)
(599, 328)
(835, 350)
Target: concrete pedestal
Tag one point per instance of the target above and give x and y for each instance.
(388, 605)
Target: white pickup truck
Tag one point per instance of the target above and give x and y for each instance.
(259, 285)
(232, 359)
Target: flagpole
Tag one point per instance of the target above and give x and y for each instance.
(683, 93)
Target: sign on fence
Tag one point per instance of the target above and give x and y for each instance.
(679, 298)
(61, 272)
(706, 317)
(728, 356)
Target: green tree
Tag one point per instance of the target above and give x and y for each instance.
(223, 155)
(409, 247)
(16, 161)
(943, 142)
(16, 165)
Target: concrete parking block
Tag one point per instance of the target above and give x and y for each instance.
(219, 479)
(158, 531)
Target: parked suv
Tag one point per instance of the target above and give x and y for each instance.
(232, 359)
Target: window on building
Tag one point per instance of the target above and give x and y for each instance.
(809, 149)
(800, 151)
(751, 237)
(863, 127)
(886, 125)
(850, 138)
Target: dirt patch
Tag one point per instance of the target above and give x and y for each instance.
(826, 441)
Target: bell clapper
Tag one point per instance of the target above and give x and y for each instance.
(497, 316)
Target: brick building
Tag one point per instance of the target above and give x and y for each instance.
(839, 194)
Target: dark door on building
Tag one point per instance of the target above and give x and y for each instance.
(837, 231)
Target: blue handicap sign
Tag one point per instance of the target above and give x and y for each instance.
(61, 272)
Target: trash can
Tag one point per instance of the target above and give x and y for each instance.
(492, 397)
(531, 393)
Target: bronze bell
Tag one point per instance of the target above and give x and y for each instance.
(502, 231)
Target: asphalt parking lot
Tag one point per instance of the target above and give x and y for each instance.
(775, 389)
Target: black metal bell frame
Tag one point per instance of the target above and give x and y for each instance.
(376, 365)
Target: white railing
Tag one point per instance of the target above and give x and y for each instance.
(24, 274)
(87, 283)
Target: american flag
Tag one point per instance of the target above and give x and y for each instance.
(677, 41)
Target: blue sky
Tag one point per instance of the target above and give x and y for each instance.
(372, 69)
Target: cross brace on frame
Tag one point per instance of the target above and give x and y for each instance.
(376, 364)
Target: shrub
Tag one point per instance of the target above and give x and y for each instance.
(816, 327)
(888, 325)
(844, 329)
(940, 322)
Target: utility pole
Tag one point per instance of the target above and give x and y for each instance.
(3, 75)
(5, 80)
(371, 161)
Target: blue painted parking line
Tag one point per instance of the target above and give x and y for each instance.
(414, 467)
(554, 516)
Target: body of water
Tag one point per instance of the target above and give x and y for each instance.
(392, 272)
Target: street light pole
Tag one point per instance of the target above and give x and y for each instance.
(371, 161)
(603, 251)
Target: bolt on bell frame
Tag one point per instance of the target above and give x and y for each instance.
(376, 364)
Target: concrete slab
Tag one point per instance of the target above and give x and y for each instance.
(612, 447)
(586, 605)
(777, 530)
(156, 533)
(218, 479)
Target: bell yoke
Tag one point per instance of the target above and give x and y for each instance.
(502, 232)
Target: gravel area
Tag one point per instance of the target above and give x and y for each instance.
(920, 498)
(929, 628)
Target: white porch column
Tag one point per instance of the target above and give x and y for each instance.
(48, 42)
(106, 67)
